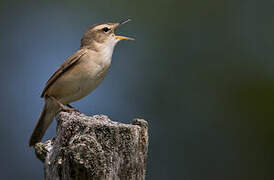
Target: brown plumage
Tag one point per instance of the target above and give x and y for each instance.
(79, 75)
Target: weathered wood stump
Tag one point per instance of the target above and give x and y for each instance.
(95, 148)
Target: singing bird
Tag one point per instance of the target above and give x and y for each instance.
(79, 75)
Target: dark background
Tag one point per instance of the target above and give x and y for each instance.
(201, 72)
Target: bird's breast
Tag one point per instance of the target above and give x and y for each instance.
(95, 71)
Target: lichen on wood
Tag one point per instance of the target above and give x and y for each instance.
(95, 148)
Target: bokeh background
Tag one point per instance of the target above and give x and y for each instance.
(201, 72)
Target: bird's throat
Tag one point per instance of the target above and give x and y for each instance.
(105, 52)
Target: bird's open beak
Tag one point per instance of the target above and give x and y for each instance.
(123, 37)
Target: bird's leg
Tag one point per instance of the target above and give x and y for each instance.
(68, 105)
(62, 106)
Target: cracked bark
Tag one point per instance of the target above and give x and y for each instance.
(95, 147)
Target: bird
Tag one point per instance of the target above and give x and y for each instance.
(79, 75)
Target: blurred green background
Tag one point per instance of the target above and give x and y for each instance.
(201, 72)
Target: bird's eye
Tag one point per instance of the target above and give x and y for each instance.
(105, 29)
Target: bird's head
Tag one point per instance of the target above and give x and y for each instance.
(102, 35)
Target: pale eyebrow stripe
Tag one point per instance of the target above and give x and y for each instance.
(101, 26)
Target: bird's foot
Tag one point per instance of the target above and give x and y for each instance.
(64, 108)
(72, 108)
(67, 109)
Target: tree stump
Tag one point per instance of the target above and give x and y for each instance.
(95, 147)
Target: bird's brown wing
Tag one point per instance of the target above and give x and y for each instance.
(69, 63)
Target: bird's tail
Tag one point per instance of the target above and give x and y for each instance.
(45, 119)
